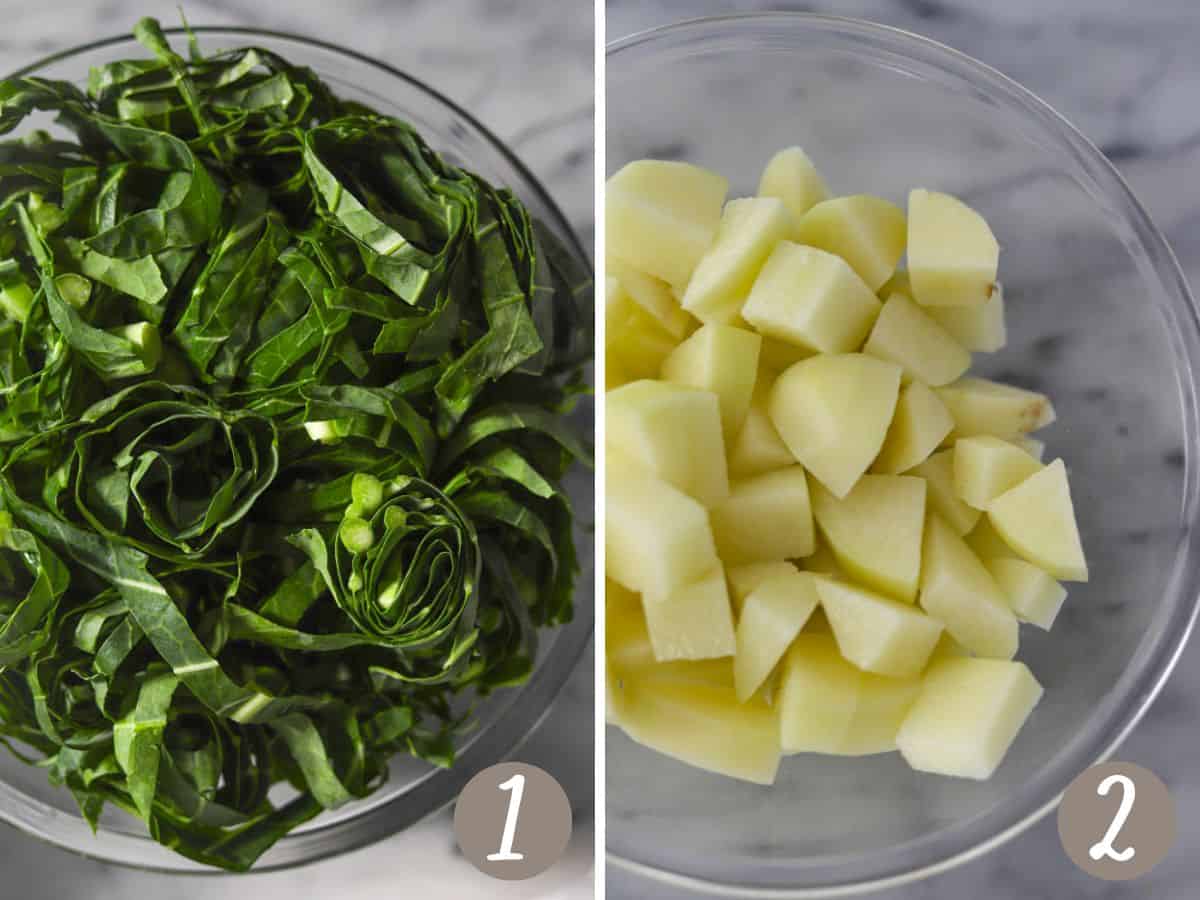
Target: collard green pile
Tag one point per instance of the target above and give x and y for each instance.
(281, 439)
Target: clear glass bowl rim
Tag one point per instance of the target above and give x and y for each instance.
(520, 719)
(1167, 635)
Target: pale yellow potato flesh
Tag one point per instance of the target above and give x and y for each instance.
(662, 216)
(906, 335)
(1034, 596)
(967, 715)
(883, 704)
(987, 544)
(758, 447)
(875, 633)
(818, 694)
(634, 344)
(655, 298)
(986, 466)
(811, 298)
(938, 472)
(693, 621)
(1037, 519)
(790, 176)
(833, 412)
(867, 232)
(875, 531)
(980, 328)
(771, 617)
(721, 359)
(980, 406)
(822, 561)
(745, 578)
(952, 253)
(766, 517)
(919, 425)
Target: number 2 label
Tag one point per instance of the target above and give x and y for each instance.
(1104, 847)
(516, 785)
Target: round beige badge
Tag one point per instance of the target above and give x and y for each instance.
(513, 821)
(1117, 821)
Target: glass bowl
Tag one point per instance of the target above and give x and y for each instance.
(414, 789)
(1099, 318)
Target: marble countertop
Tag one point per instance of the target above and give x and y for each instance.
(534, 89)
(1127, 75)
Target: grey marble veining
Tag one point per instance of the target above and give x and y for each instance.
(1127, 75)
(524, 68)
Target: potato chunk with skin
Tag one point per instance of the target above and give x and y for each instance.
(883, 704)
(905, 335)
(967, 716)
(771, 617)
(875, 633)
(662, 216)
(655, 298)
(791, 177)
(867, 232)
(833, 412)
(980, 406)
(958, 591)
(875, 531)
(766, 517)
(986, 466)
(981, 329)
(675, 432)
(747, 577)
(952, 253)
(818, 694)
(1037, 519)
(694, 621)
(656, 537)
(721, 359)
(1033, 595)
(920, 423)
(758, 447)
(811, 298)
(938, 472)
(750, 228)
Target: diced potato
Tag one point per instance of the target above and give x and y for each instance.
(662, 216)
(980, 406)
(1033, 595)
(811, 298)
(986, 466)
(979, 328)
(771, 617)
(1037, 519)
(655, 298)
(747, 577)
(694, 621)
(905, 335)
(791, 177)
(920, 424)
(867, 232)
(766, 517)
(705, 726)
(635, 346)
(818, 694)
(823, 562)
(758, 447)
(721, 359)
(656, 537)
(875, 633)
(938, 472)
(750, 229)
(875, 531)
(958, 591)
(883, 704)
(778, 355)
(614, 697)
(947, 648)
(675, 432)
(986, 544)
(833, 412)
(818, 623)
(967, 715)
(952, 253)
(615, 373)
(626, 640)
(1032, 446)
(897, 283)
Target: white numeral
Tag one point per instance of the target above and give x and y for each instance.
(1104, 847)
(516, 784)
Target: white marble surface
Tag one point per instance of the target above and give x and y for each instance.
(524, 67)
(1127, 74)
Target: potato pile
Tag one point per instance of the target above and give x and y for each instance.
(821, 533)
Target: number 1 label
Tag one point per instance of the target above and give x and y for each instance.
(516, 784)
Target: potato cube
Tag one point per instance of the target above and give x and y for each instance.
(758, 447)
(655, 298)
(771, 617)
(818, 693)
(979, 328)
(1033, 595)
(661, 217)
(745, 578)
(883, 704)
(905, 335)
(811, 298)
(721, 359)
(823, 562)
(833, 413)
(952, 253)
(626, 640)
(1037, 519)
(875, 531)
(675, 432)
(694, 621)
(986, 466)
(750, 229)
(986, 544)
(635, 346)
(967, 716)
(791, 177)
(920, 424)
(1032, 446)
(766, 517)
(938, 472)
(980, 406)
(867, 232)
(875, 633)
(958, 591)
